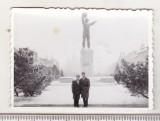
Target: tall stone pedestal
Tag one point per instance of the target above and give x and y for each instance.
(87, 61)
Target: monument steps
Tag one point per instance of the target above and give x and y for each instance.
(92, 79)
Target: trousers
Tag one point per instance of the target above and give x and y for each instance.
(85, 102)
(76, 102)
(86, 36)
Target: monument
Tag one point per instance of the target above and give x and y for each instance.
(87, 54)
(87, 61)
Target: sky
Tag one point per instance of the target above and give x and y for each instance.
(57, 33)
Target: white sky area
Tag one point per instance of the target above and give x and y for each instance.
(57, 33)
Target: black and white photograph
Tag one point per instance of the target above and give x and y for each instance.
(81, 58)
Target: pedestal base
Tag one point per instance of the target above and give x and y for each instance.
(87, 61)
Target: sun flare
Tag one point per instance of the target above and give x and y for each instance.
(56, 30)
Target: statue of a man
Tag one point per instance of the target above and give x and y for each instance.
(86, 31)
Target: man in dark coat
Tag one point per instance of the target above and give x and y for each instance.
(76, 91)
(85, 86)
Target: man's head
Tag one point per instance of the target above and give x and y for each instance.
(83, 74)
(86, 20)
(77, 77)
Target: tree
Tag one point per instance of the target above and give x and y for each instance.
(23, 61)
(117, 75)
(134, 76)
(30, 78)
(55, 71)
(62, 74)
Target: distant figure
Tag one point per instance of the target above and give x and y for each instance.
(86, 31)
(85, 86)
(76, 91)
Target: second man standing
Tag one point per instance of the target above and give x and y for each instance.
(84, 84)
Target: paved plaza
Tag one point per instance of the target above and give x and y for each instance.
(101, 95)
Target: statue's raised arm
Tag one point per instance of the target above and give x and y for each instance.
(92, 23)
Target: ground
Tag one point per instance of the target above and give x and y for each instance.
(101, 95)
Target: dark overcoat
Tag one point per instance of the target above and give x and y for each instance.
(76, 89)
(85, 86)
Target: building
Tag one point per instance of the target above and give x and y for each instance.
(137, 56)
